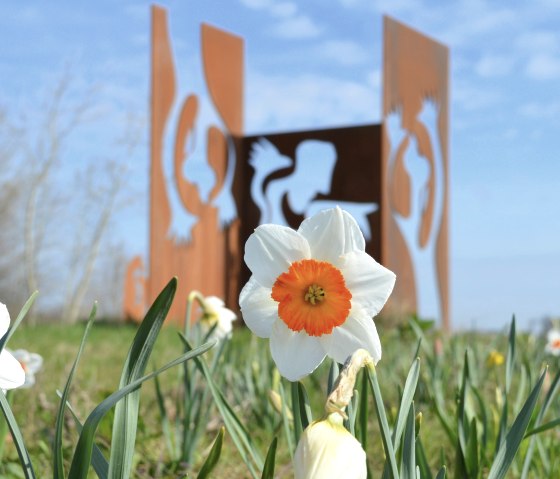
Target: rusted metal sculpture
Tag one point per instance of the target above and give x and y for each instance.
(200, 261)
(362, 169)
(415, 81)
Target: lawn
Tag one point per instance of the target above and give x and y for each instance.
(451, 409)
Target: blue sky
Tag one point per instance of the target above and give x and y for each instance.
(312, 66)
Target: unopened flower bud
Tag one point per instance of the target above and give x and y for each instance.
(326, 450)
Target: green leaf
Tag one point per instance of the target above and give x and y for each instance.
(406, 401)
(24, 458)
(305, 408)
(471, 453)
(58, 460)
(510, 362)
(509, 447)
(296, 411)
(269, 463)
(4, 340)
(408, 462)
(126, 413)
(82, 454)
(213, 456)
(237, 432)
(422, 460)
(383, 424)
(99, 463)
(544, 427)
(442, 473)
(553, 390)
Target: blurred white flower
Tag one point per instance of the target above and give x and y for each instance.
(314, 291)
(553, 342)
(31, 364)
(214, 312)
(11, 373)
(326, 450)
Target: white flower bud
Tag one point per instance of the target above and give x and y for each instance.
(327, 450)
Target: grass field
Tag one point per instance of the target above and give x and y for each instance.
(245, 376)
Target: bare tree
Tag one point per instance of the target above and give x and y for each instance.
(42, 152)
(58, 227)
(108, 196)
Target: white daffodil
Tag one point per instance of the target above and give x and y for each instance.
(214, 312)
(553, 342)
(31, 364)
(314, 291)
(327, 450)
(11, 373)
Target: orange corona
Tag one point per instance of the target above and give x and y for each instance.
(312, 296)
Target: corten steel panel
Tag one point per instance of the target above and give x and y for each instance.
(200, 262)
(356, 176)
(415, 76)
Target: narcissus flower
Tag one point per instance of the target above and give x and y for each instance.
(214, 312)
(495, 358)
(327, 450)
(553, 342)
(314, 292)
(31, 364)
(11, 373)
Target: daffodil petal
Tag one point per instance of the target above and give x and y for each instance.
(331, 234)
(296, 354)
(4, 320)
(358, 331)
(370, 283)
(259, 310)
(12, 374)
(271, 249)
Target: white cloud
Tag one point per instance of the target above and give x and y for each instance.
(297, 27)
(281, 103)
(543, 66)
(540, 111)
(343, 52)
(494, 65)
(471, 98)
(535, 41)
(278, 9)
(284, 9)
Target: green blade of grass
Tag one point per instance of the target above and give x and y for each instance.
(98, 462)
(544, 427)
(408, 458)
(58, 459)
(383, 424)
(269, 463)
(126, 413)
(305, 408)
(442, 473)
(406, 401)
(24, 458)
(509, 447)
(4, 340)
(237, 432)
(213, 456)
(82, 454)
(296, 411)
(554, 388)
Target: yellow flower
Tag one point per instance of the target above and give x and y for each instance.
(327, 450)
(494, 359)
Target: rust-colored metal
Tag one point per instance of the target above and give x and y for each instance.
(135, 289)
(200, 262)
(362, 169)
(415, 74)
(354, 181)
